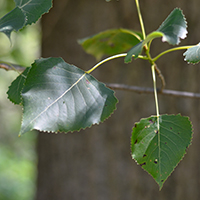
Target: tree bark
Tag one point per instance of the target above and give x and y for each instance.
(95, 163)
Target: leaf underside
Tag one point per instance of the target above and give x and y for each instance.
(171, 30)
(110, 42)
(192, 55)
(60, 97)
(159, 152)
(174, 27)
(25, 13)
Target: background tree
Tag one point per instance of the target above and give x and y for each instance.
(96, 163)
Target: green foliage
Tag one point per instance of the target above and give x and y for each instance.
(160, 151)
(110, 42)
(14, 20)
(57, 96)
(174, 27)
(14, 92)
(76, 99)
(137, 49)
(25, 13)
(192, 55)
(33, 9)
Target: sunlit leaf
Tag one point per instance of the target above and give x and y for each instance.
(159, 152)
(60, 97)
(14, 92)
(192, 55)
(174, 27)
(110, 42)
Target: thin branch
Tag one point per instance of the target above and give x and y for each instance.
(8, 67)
(124, 87)
(160, 76)
(150, 90)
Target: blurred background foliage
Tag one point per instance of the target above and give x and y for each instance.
(17, 155)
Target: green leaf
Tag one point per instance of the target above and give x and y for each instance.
(137, 49)
(171, 30)
(60, 97)
(33, 9)
(174, 27)
(192, 55)
(159, 152)
(14, 20)
(14, 91)
(110, 42)
(26, 12)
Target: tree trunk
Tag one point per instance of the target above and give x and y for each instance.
(95, 163)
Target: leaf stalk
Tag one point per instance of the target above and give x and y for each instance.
(155, 94)
(111, 58)
(140, 18)
(172, 49)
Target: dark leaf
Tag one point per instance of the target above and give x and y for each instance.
(60, 97)
(159, 151)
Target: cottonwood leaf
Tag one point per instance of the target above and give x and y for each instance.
(171, 30)
(25, 13)
(14, 91)
(14, 20)
(33, 9)
(110, 42)
(159, 152)
(60, 97)
(174, 27)
(192, 55)
(137, 49)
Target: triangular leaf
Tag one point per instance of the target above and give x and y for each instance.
(110, 42)
(14, 92)
(33, 9)
(192, 55)
(14, 20)
(174, 27)
(61, 97)
(159, 152)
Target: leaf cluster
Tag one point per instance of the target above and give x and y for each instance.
(59, 97)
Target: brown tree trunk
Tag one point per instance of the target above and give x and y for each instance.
(96, 163)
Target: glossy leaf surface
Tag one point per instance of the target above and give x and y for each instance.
(159, 152)
(174, 27)
(60, 97)
(192, 55)
(110, 42)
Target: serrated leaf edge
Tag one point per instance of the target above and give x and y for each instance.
(192, 130)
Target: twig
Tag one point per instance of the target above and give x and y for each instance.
(8, 67)
(150, 90)
(123, 86)
(160, 76)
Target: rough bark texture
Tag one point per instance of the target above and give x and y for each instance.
(96, 163)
